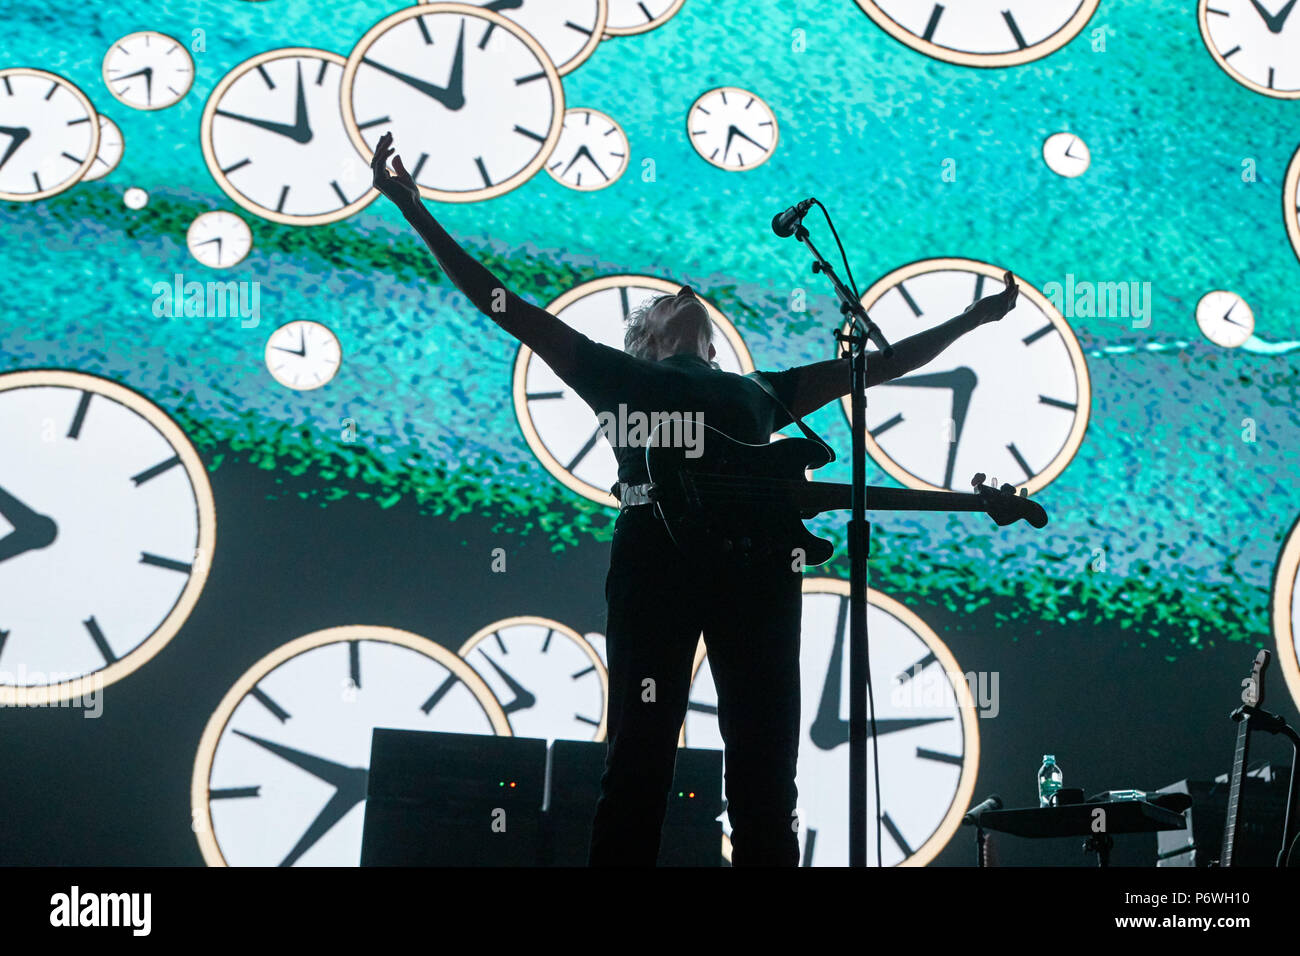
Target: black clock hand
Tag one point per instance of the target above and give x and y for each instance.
(32, 530)
(299, 131)
(349, 784)
(962, 382)
(1227, 317)
(583, 151)
(523, 699)
(1275, 23)
(217, 240)
(301, 350)
(732, 133)
(20, 135)
(499, 5)
(452, 95)
(828, 729)
(147, 73)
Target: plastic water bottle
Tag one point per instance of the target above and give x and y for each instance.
(1049, 780)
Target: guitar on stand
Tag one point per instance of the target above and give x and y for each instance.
(1250, 717)
(1252, 695)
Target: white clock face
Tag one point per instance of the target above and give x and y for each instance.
(1286, 611)
(1225, 318)
(474, 103)
(982, 32)
(925, 720)
(732, 128)
(568, 30)
(280, 777)
(49, 133)
(107, 527)
(274, 140)
(559, 426)
(148, 70)
(1066, 155)
(109, 153)
(219, 239)
(592, 151)
(303, 355)
(1011, 399)
(627, 17)
(1256, 42)
(1291, 202)
(549, 680)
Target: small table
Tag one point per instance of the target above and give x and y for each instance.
(1077, 819)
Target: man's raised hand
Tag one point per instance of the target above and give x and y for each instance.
(993, 307)
(399, 186)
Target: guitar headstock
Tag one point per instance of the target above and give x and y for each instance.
(1252, 687)
(1005, 506)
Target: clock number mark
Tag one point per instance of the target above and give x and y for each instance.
(278, 712)
(101, 643)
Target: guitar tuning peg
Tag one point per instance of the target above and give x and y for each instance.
(977, 480)
(1024, 492)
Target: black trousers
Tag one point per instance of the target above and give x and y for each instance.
(659, 603)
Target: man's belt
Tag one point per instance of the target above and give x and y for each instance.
(631, 495)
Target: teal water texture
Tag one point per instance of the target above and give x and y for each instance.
(1189, 517)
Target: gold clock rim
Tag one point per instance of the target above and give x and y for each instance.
(524, 356)
(293, 388)
(569, 632)
(103, 70)
(1036, 51)
(951, 821)
(1284, 628)
(201, 779)
(776, 129)
(465, 10)
(627, 160)
(91, 153)
(581, 57)
(1205, 335)
(214, 212)
(1291, 202)
(654, 24)
(1073, 441)
(1202, 22)
(235, 73)
(206, 517)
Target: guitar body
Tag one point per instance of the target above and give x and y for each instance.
(736, 503)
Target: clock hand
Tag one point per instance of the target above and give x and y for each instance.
(828, 729)
(32, 530)
(1227, 317)
(345, 798)
(583, 151)
(20, 135)
(1274, 22)
(301, 350)
(335, 774)
(147, 73)
(523, 699)
(499, 5)
(962, 382)
(732, 133)
(299, 131)
(452, 95)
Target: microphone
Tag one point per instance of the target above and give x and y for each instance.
(973, 814)
(784, 223)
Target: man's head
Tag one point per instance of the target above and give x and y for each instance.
(669, 325)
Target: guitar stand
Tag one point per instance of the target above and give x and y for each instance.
(1275, 724)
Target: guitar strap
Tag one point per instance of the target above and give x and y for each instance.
(757, 377)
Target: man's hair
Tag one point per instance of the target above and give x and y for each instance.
(639, 338)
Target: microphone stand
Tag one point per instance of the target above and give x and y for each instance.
(859, 537)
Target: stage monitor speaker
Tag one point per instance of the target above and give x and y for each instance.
(1259, 828)
(692, 835)
(436, 799)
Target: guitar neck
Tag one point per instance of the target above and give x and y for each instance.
(834, 496)
(1234, 792)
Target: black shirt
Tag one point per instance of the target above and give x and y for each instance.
(625, 391)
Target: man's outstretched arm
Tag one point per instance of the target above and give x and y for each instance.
(823, 382)
(553, 341)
